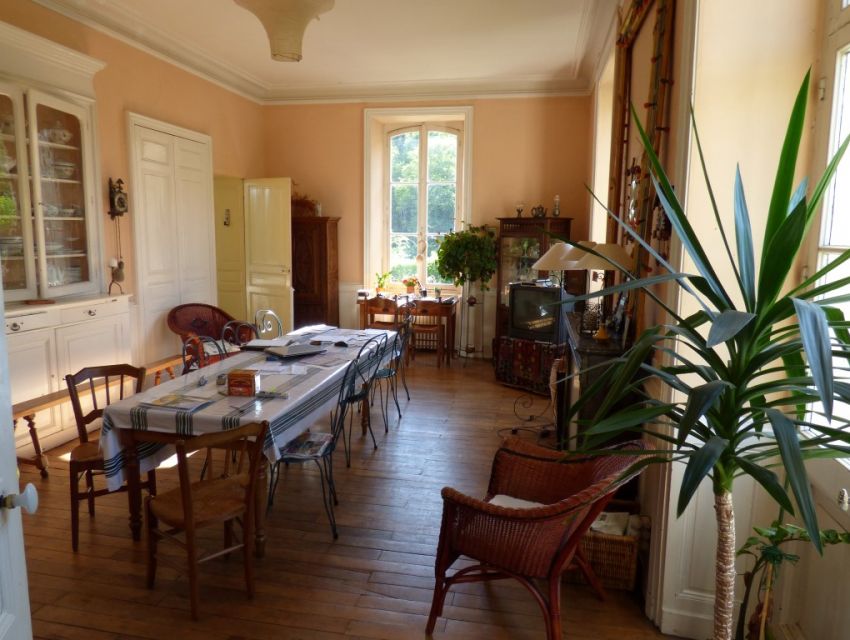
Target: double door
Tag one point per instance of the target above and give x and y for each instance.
(172, 214)
(48, 232)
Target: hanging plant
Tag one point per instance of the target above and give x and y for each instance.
(467, 256)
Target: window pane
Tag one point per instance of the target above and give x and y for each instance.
(834, 232)
(404, 157)
(402, 255)
(442, 157)
(441, 208)
(431, 261)
(405, 207)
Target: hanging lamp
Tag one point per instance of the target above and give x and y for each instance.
(285, 22)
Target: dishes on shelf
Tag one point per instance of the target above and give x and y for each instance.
(58, 134)
(11, 246)
(64, 170)
(67, 211)
(7, 123)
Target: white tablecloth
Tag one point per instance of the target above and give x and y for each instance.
(311, 386)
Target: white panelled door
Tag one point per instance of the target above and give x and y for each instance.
(268, 247)
(14, 593)
(172, 213)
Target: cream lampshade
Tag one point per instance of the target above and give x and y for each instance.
(561, 256)
(285, 22)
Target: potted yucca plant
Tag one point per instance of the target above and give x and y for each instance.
(746, 378)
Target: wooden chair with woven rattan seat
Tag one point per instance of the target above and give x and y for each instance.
(222, 498)
(96, 387)
(426, 309)
(528, 527)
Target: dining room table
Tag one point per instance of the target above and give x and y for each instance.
(295, 393)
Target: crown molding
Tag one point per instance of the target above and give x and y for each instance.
(469, 89)
(125, 26)
(27, 56)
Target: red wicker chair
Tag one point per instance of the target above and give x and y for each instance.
(207, 333)
(527, 543)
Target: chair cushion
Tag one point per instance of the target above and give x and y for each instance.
(212, 501)
(87, 452)
(510, 502)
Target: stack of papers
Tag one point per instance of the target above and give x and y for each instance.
(178, 402)
(295, 350)
(613, 523)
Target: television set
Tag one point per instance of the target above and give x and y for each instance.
(534, 312)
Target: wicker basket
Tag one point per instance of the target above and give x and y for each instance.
(613, 558)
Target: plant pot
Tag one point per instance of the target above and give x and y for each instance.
(411, 289)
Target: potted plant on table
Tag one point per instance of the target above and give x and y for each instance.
(745, 378)
(381, 280)
(410, 283)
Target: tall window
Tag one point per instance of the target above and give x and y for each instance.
(834, 234)
(422, 197)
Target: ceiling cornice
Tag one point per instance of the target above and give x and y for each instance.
(126, 27)
(160, 45)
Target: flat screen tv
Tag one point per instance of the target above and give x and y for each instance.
(534, 314)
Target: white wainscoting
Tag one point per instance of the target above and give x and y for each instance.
(349, 314)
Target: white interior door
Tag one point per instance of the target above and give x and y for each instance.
(268, 247)
(172, 213)
(14, 593)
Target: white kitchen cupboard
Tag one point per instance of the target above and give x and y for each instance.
(49, 231)
(47, 342)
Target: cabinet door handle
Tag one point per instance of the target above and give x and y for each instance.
(92, 312)
(15, 326)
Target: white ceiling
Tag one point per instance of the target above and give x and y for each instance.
(373, 49)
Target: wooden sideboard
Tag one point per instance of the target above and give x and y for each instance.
(315, 270)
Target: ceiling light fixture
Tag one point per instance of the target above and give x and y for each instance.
(285, 22)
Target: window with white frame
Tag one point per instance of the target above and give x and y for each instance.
(833, 236)
(416, 164)
(422, 198)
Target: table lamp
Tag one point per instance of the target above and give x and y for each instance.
(607, 257)
(561, 256)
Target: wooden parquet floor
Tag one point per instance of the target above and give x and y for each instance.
(374, 582)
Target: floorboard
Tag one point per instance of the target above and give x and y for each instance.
(374, 582)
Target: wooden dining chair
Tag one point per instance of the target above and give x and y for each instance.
(224, 497)
(528, 527)
(90, 390)
(424, 326)
(386, 312)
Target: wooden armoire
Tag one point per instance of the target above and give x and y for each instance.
(315, 270)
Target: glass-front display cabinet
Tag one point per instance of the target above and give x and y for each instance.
(521, 242)
(48, 242)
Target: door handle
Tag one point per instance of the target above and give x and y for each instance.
(27, 499)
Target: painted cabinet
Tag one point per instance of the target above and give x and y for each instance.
(47, 342)
(49, 237)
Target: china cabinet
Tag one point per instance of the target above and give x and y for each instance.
(521, 242)
(48, 233)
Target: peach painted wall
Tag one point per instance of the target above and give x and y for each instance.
(523, 149)
(136, 81)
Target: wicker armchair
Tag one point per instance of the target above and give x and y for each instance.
(527, 543)
(208, 333)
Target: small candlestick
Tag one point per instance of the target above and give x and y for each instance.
(519, 207)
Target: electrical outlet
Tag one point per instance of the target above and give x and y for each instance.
(113, 263)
